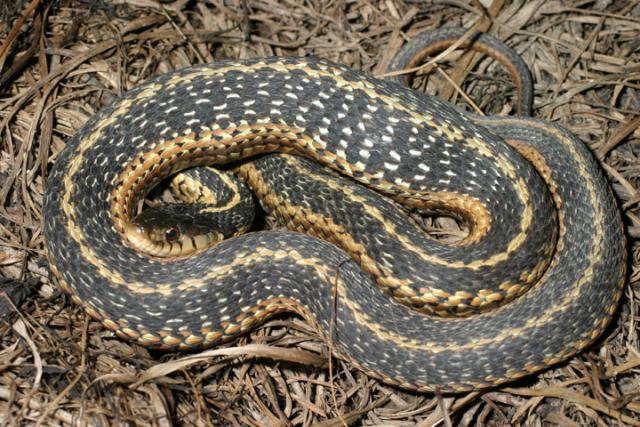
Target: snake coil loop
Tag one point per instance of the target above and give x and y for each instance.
(550, 219)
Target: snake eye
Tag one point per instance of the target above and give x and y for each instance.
(172, 234)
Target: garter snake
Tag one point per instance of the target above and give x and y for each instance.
(415, 149)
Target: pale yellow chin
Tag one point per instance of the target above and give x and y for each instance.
(137, 238)
(141, 241)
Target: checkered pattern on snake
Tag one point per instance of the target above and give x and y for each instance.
(415, 149)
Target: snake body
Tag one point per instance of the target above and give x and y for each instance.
(417, 150)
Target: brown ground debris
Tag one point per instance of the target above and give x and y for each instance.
(62, 60)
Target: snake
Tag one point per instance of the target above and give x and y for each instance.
(343, 161)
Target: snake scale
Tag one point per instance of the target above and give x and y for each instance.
(536, 281)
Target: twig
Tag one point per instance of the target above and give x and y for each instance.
(4, 49)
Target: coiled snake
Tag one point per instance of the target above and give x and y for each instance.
(550, 219)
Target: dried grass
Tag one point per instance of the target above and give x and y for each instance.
(68, 58)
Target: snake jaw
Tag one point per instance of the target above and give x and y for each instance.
(138, 238)
(153, 239)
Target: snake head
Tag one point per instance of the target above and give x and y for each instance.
(171, 231)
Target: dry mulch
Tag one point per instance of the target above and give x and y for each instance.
(61, 61)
